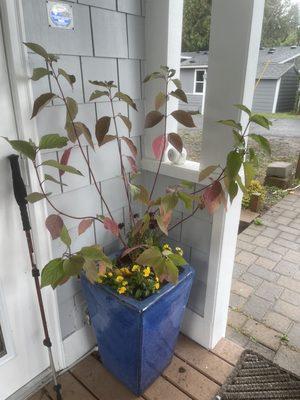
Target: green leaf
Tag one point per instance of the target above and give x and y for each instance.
(126, 121)
(153, 118)
(51, 179)
(73, 265)
(231, 123)
(41, 102)
(39, 73)
(102, 127)
(179, 94)
(262, 141)
(53, 273)
(127, 99)
(35, 196)
(72, 109)
(97, 94)
(206, 172)
(69, 78)
(240, 183)
(232, 190)
(177, 259)
(253, 157)
(154, 75)
(105, 84)
(150, 257)
(233, 165)
(81, 128)
(65, 237)
(172, 271)
(187, 184)
(90, 269)
(143, 195)
(61, 167)
(21, 146)
(38, 49)
(249, 172)
(243, 108)
(53, 141)
(177, 83)
(238, 139)
(186, 199)
(261, 121)
(169, 201)
(92, 252)
(184, 118)
(160, 100)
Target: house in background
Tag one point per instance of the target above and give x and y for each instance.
(277, 79)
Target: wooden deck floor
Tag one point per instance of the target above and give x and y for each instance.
(194, 373)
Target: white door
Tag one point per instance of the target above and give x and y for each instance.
(22, 355)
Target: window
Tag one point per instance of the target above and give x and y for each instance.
(199, 81)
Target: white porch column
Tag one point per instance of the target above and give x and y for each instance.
(163, 31)
(233, 56)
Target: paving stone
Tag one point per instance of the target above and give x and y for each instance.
(286, 243)
(288, 236)
(260, 349)
(256, 307)
(287, 229)
(286, 268)
(277, 321)
(288, 359)
(278, 249)
(237, 337)
(236, 301)
(260, 251)
(245, 258)
(268, 222)
(289, 214)
(263, 273)
(297, 276)
(238, 270)
(241, 288)
(262, 334)
(287, 309)
(251, 279)
(265, 263)
(262, 241)
(236, 319)
(294, 225)
(294, 336)
(289, 283)
(271, 232)
(228, 350)
(291, 297)
(251, 232)
(269, 291)
(283, 220)
(245, 238)
(293, 256)
(245, 246)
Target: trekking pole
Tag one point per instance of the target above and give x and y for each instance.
(20, 196)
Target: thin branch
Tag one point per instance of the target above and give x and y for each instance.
(185, 218)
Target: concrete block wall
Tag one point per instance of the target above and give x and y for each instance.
(107, 43)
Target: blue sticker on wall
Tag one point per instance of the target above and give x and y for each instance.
(60, 15)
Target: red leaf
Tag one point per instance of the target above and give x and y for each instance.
(54, 224)
(101, 268)
(111, 226)
(158, 146)
(84, 225)
(132, 164)
(64, 159)
(213, 196)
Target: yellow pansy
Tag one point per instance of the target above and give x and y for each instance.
(125, 271)
(136, 268)
(157, 285)
(157, 279)
(166, 247)
(124, 283)
(110, 274)
(147, 272)
(122, 290)
(119, 278)
(179, 251)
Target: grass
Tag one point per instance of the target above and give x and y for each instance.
(288, 115)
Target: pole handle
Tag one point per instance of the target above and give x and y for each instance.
(19, 190)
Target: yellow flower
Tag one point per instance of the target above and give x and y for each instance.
(124, 283)
(157, 285)
(100, 280)
(122, 290)
(136, 268)
(166, 247)
(157, 279)
(119, 279)
(110, 274)
(147, 272)
(125, 271)
(179, 251)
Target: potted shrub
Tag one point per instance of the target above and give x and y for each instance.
(136, 298)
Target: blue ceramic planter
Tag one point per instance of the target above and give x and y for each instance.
(136, 339)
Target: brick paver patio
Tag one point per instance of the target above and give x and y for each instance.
(264, 312)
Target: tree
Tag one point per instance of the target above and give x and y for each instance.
(280, 26)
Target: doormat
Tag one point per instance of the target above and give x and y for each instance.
(255, 377)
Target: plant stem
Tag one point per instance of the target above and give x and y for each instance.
(124, 176)
(185, 218)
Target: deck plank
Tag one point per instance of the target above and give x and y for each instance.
(228, 350)
(71, 389)
(162, 389)
(190, 381)
(203, 360)
(100, 382)
(40, 395)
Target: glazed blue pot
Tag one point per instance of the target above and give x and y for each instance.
(136, 339)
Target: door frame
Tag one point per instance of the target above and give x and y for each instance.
(22, 95)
